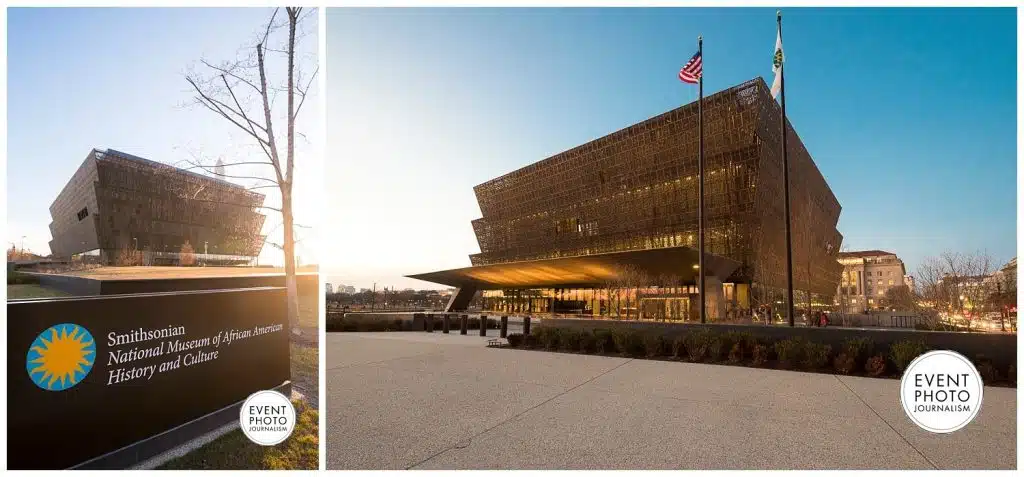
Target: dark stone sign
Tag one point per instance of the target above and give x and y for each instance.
(104, 381)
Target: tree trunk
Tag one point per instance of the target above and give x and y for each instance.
(289, 261)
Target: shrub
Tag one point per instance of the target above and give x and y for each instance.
(1011, 374)
(816, 355)
(530, 341)
(698, 344)
(654, 345)
(759, 355)
(858, 349)
(845, 364)
(18, 278)
(747, 341)
(605, 341)
(986, 369)
(187, 256)
(551, 338)
(875, 366)
(570, 340)
(540, 337)
(789, 351)
(588, 342)
(679, 346)
(719, 345)
(903, 352)
(629, 342)
(736, 353)
(515, 339)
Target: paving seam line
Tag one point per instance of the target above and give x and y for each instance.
(848, 388)
(428, 353)
(474, 436)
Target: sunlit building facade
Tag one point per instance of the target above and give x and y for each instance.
(866, 277)
(609, 228)
(119, 207)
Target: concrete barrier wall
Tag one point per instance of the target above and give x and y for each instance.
(1000, 348)
(84, 286)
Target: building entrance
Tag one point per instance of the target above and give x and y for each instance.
(665, 308)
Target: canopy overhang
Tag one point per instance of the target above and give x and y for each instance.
(586, 271)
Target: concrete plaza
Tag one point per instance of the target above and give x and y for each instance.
(434, 401)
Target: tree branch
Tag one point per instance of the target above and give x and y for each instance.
(225, 71)
(213, 105)
(303, 92)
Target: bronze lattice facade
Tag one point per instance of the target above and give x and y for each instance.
(637, 189)
(117, 201)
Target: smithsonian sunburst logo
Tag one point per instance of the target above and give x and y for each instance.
(61, 357)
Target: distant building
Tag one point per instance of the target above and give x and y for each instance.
(364, 290)
(330, 289)
(118, 204)
(866, 276)
(351, 290)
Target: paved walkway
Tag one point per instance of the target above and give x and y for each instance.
(435, 401)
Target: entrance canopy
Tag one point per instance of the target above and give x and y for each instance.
(585, 271)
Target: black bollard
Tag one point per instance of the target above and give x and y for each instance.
(447, 324)
(464, 325)
(483, 325)
(504, 327)
(428, 325)
(526, 326)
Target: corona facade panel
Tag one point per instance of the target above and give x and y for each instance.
(117, 205)
(609, 228)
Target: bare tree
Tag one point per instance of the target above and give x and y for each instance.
(954, 283)
(900, 298)
(243, 94)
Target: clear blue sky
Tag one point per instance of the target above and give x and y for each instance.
(909, 113)
(114, 78)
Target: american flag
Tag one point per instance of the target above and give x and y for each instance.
(692, 70)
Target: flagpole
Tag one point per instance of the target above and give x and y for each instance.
(700, 172)
(785, 178)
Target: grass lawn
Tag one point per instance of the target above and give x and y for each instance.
(21, 292)
(234, 451)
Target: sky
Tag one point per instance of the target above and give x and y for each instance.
(114, 78)
(910, 114)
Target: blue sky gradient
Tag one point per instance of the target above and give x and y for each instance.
(115, 78)
(909, 113)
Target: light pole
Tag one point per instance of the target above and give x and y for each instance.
(136, 242)
(22, 244)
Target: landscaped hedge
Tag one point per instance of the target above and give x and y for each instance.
(856, 356)
(339, 323)
(357, 322)
(18, 278)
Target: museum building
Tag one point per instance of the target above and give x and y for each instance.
(609, 228)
